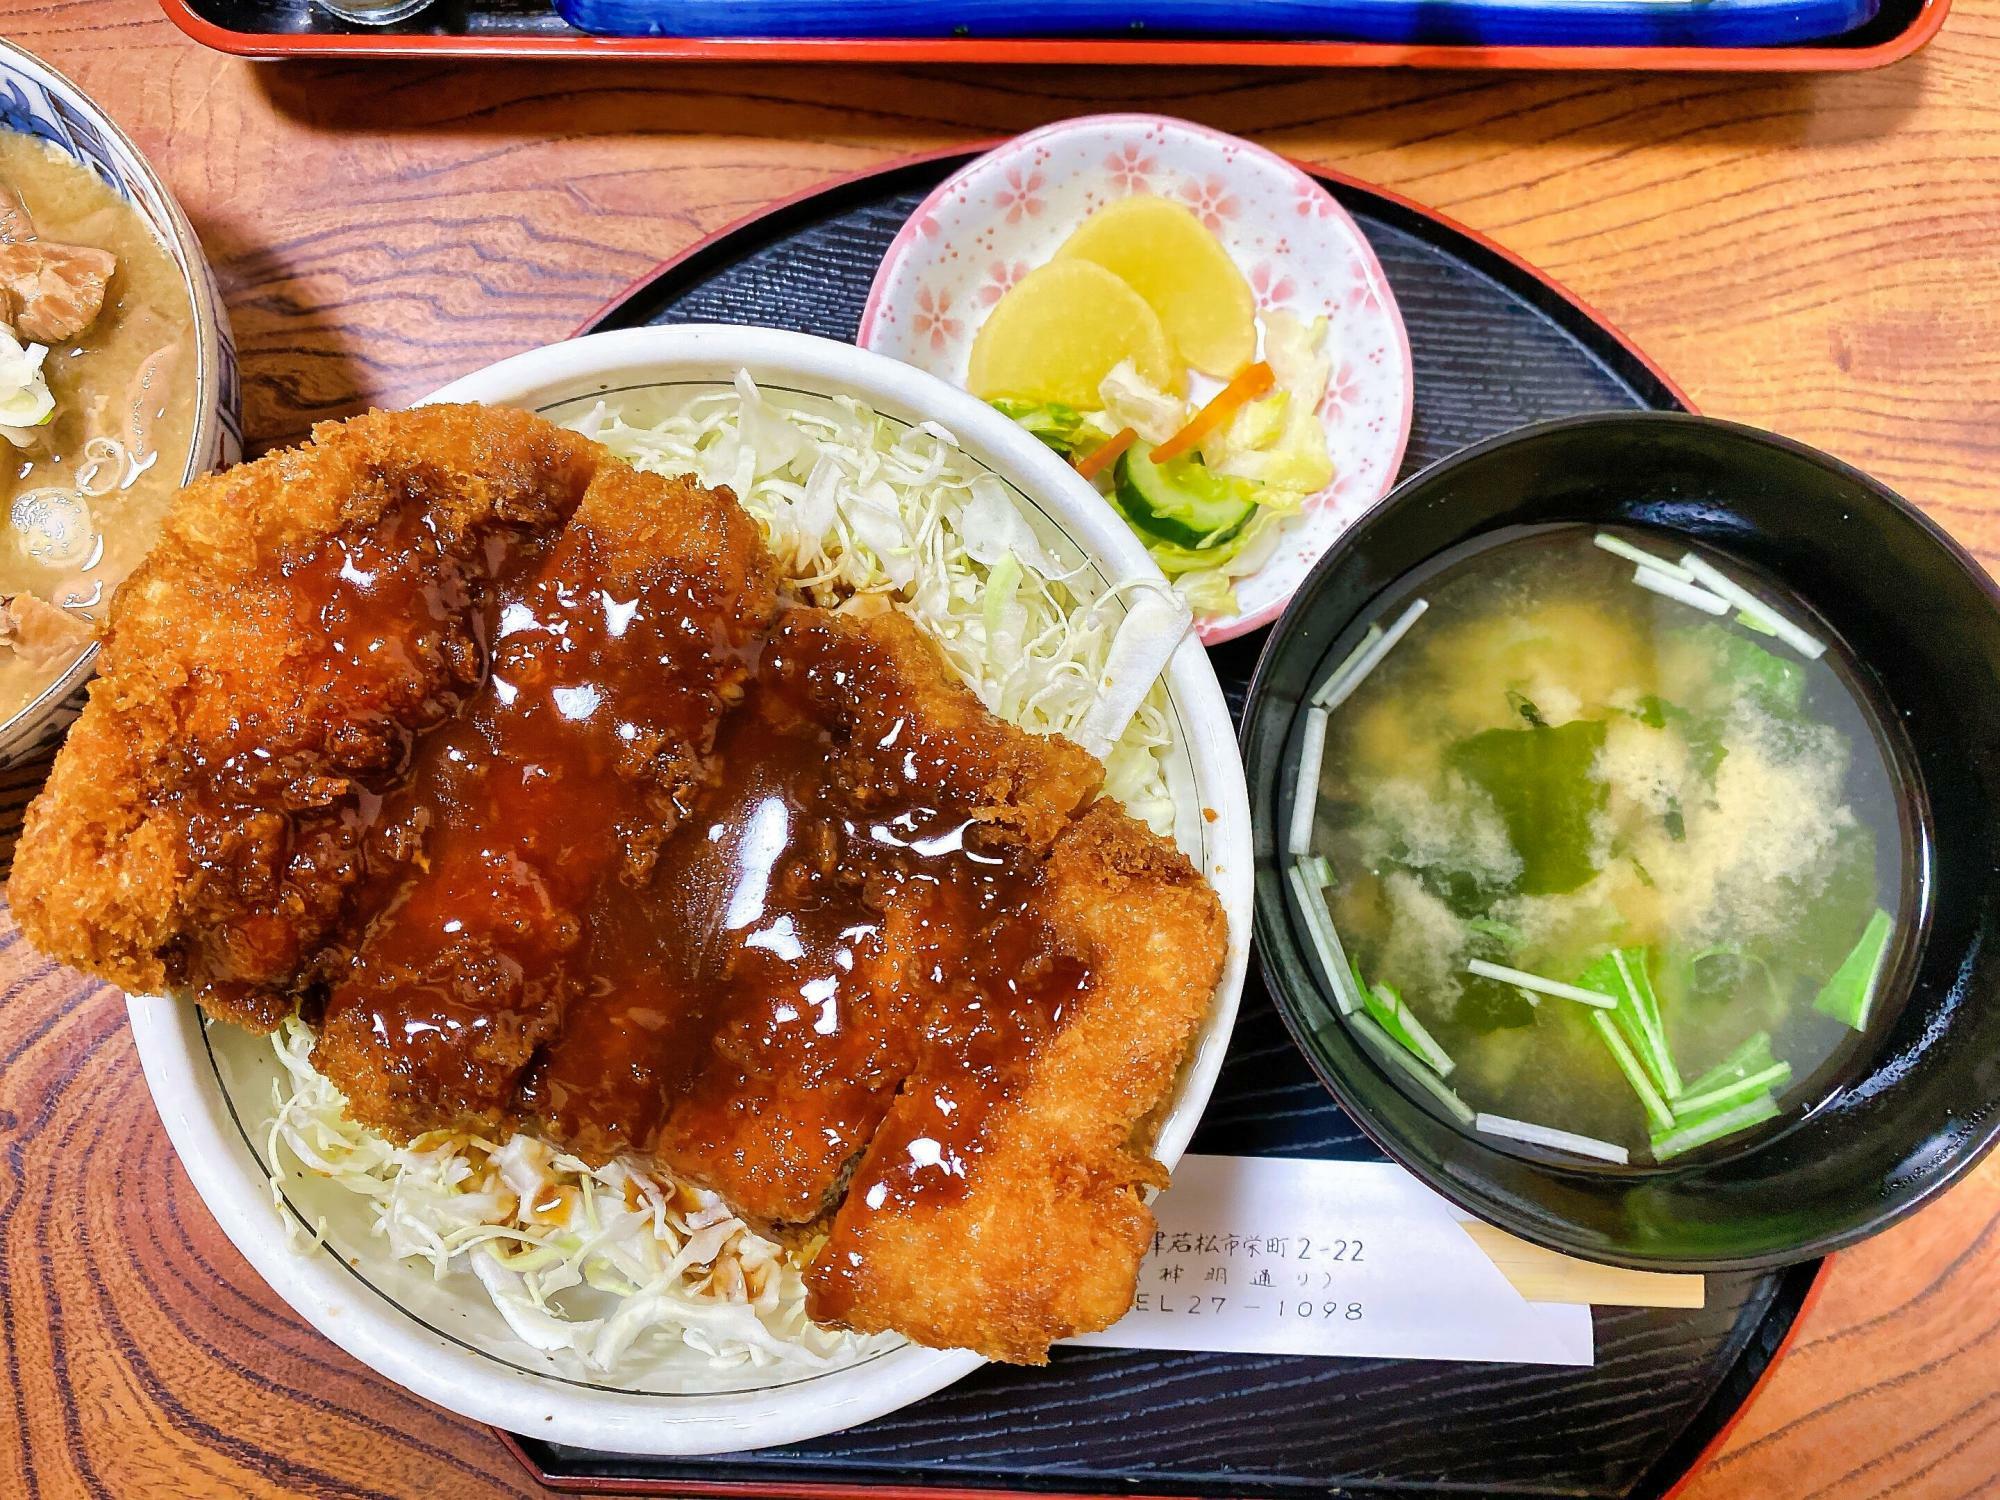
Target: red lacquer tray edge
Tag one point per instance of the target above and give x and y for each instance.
(1720, 1440)
(1045, 52)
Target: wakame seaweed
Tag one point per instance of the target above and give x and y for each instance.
(1543, 784)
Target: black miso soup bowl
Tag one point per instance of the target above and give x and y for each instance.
(1919, 615)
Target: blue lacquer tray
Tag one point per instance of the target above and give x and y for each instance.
(534, 29)
(1636, 23)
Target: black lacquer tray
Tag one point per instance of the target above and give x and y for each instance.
(1495, 345)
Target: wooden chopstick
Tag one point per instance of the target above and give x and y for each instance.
(1545, 1276)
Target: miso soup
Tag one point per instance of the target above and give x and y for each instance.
(1601, 850)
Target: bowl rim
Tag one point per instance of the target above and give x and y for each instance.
(205, 304)
(1266, 922)
(355, 1316)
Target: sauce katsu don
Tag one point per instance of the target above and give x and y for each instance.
(531, 784)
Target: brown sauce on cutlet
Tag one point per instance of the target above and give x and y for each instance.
(855, 927)
(392, 610)
(645, 890)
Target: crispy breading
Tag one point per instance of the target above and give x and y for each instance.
(157, 856)
(1046, 1238)
(904, 702)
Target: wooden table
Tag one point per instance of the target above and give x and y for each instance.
(1814, 254)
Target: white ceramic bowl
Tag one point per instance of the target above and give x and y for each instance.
(37, 100)
(213, 1085)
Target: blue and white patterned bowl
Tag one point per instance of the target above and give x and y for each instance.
(37, 100)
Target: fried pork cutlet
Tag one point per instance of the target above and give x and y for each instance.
(511, 768)
(887, 769)
(612, 664)
(998, 1206)
(298, 623)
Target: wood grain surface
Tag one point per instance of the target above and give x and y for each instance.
(1815, 254)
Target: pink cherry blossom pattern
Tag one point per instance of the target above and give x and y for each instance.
(1000, 279)
(1271, 286)
(1362, 291)
(1211, 201)
(1346, 389)
(933, 318)
(1131, 168)
(1311, 201)
(1335, 495)
(1020, 195)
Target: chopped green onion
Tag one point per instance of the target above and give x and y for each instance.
(1340, 687)
(1422, 1076)
(1385, 1003)
(1637, 982)
(1753, 622)
(1619, 547)
(1649, 1097)
(1557, 1140)
(1319, 870)
(1752, 1055)
(1625, 975)
(1850, 994)
(1673, 1143)
(1524, 980)
(1325, 941)
(1305, 795)
(1334, 678)
(1651, 1052)
(1683, 593)
(1713, 578)
(1530, 996)
(1715, 1100)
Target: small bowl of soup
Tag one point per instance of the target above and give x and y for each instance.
(1625, 790)
(117, 384)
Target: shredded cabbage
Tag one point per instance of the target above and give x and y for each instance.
(597, 1263)
(861, 508)
(607, 1266)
